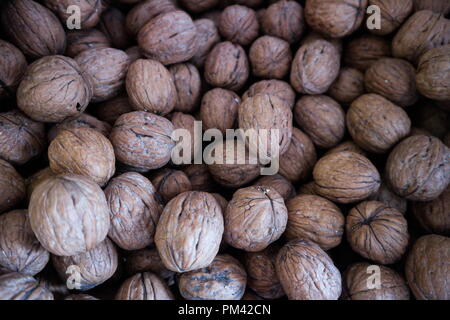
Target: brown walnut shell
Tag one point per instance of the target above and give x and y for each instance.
(144, 286)
(393, 14)
(199, 5)
(270, 57)
(434, 215)
(12, 185)
(36, 179)
(69, 214)
(200, 177)
(90, 10)
(135, 209)
(82, 40)
(83, 121)
(189, 231)
(347, 146)
(348, 86)
(12, 69)
(281, 89)
(239, 24)
(427, 270)
(16, 286)
(169, 183)
(278, 183)
(148, 260)
(109, 111)
(438, 6)
(134, 53)
(219, 109)
(112, 24)
(313, 36)
(361, 52)
(207, 37)
(308, 188)
(188, 85)
(389, 198)
(306, 272)
(186, 122)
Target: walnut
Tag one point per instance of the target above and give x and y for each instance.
(200, 177)
(148, 260)
(347, 146)
(322, 119)
(90, 10)
(142, 140)
(83, 121)
(21, 251)
(80, 297)
(109, 111)
(438, 6)
(433, 215)
(377, 232)
(361, 52)
(270, 57)
(348, 86)
(219, 109)
(83, 151)
(16, 286)
(262, 276)
(12, 185)
(187, 122)
(82, 40)
(278, 183)
(69, 214)
(108, 68)
(306, 272)
(207, 37)
(356, 281)
(281, 89)
(199, 5)
(37, 178)
(145, 11)
(315, 218)
(223, 279)
(169, 183)
(239, 24)
(96, 265)
(222, 202)
(345, 177)
(144, 286)
(313, 36)
(21, 139)
(226, 66)
(427, 269)
(266, 112)
(135, 209)
(393, 14)
(12, 69)
(53, 89)
(376, 124)
(418, 168)
(134, 53)
(189, 231)
(423, 31)
(298, 161)
(315, 67)
(188, 85)
(394, 79)
(389, 198)
(433, 77)
(335, 18)
(112, 24)
(169, 38)
(254, 218)
(284, 19)
(151, 87)
(34, 29)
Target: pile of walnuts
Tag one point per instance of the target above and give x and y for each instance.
(94, 206)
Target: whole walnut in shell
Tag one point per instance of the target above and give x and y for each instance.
(90, 11)
(362, 51)
(347, 146)
(313, 36)
(277, 23)
(207, 37)
(21, 138)
(433, 215)
(427, 270)
(376, 124)
(358, 284)
(393, 14)
(200, 177)
(423, 31)
(227, 66)
(270, 57)
(53, 89)
(348, 86)
(144, 286)
(82, 40)
(418, 168)
(377, 232)
(219, 109)
(108, 68)
(169, 183)
(109, 111)
(281, 89)
(316, 219)
(84, 120)
(150, 87)
(278, 183)
(20, 250)
(438, 6)
(169, 38)
(188, 85)
(223, 279)
(112, 24)
(12, 185)
(142, 140)
(69, 214)
(135, 209)
(315, 67)
(335, 18)
(322, 119)
(147, 260)
(33, 28)
(16, 286)
(239, 24)
(433, 76)
(96, 265)
(306, 272)
(298, 161)
(394, 79)
(345, 177)
(262, 276)
(189, 231)
(12, 68)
